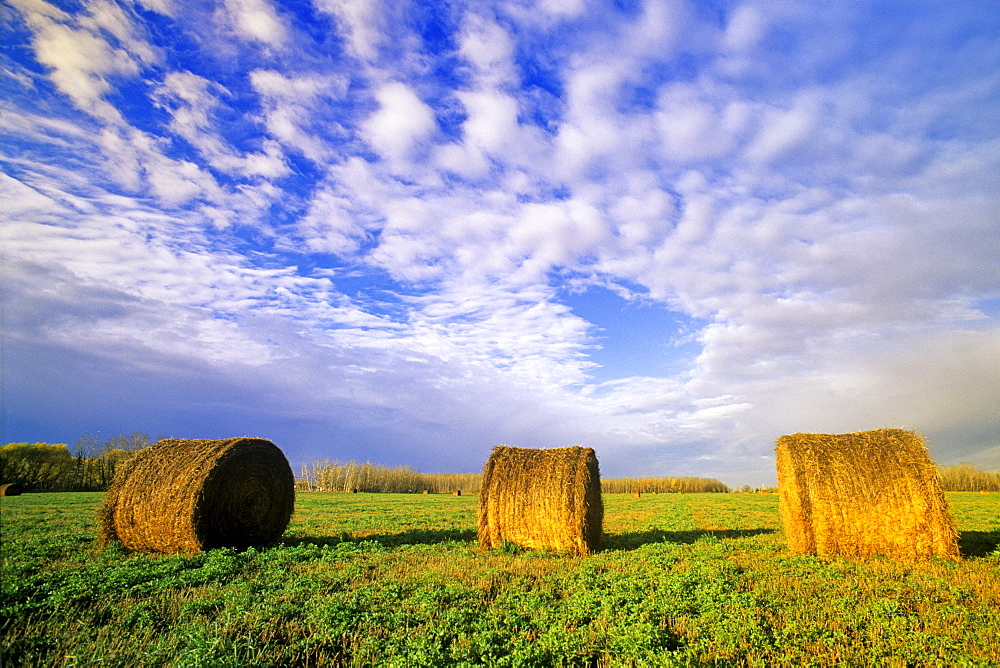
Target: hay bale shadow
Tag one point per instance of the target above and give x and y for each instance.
(408, 537)
(977, 544)
(632, 540)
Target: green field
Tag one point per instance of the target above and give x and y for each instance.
(398, 580)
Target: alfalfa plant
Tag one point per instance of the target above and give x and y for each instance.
(862, 494)
(183, 495)
(542, 499)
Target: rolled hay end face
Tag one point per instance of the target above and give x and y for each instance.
(863, 494)
(187, 495)
(542, 499)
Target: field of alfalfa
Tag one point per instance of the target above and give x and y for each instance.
(399, 580)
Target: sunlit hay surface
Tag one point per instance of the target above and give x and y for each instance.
(182, 495)
(11, 489)
(862, 494)
(542, 499)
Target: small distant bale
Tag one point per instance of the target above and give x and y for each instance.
(184, 495)
(636, 494)
(11, 489)
(541, 499)
(457, 492)
(427, 491)
(862, 494)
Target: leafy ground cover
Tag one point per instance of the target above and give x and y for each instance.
(398, 580)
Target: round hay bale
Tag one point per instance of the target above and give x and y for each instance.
(11, 489)
(185, 495)
(862, 494)
(542, 499)
(457, 492)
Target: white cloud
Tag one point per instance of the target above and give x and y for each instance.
(659, 29)
(932, 383)
(546, 13)
(173, 182)
(294, 107)
(329, 225)
(257, 20)
(165, 7)
(601, 133)
(698, 126)
(489, 49)
(192, 102)
(124, 164)
(84, 67)
(112, 19)
(785, 130)
(361, 24)
(81, 61)
(401, 125)
(490, 132)
(747, 25)
(532, 339)
(53, 133)
(165, 266)
(136, 162)
(20, 200)
(546, 236)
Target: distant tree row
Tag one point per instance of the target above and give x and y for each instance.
(667, 485)
(968, 478)
(88, 465)
(334, 476)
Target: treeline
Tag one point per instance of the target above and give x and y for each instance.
(661, 485)
(89, 465)
(968, 478)
(334, 476)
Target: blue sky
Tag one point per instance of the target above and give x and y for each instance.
(407, 232)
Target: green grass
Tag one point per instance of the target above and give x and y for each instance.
(398, 580)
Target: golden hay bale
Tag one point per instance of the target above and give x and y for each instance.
(11, 489)
(860, 494)
(182, 495)
(636, 494)
(542, 499)
(457, 492)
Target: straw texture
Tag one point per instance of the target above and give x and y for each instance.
(862, 494)
(182, 495)
(542, 499)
